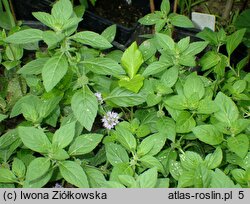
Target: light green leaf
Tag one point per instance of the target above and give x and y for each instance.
(52, 38)
(25, 36)
(121, 169)
(128, 181)
(125, 138)
(35, 139)
(208, 134)
(194, 48)
(181, 21)
(213, 160)
(165, 42)
(209, 60)
(59, 154)
(95, 177)
(239, 145)
(162, 183)
(239, 86)
(6, 176)
(18, 168)
(155, 68)
(92, 39)
(234, 40)
(132, 60)
(8, 139)
(152, 144)
(175, 169)
(103, 66)
(183, 44)
(64, 135)
(46, 19)
(149, 19)
(84, 144)
(148, 179)
(134, 84)
(239, 175)
(124, 98)
(221, 180)
(239, 126)
(150, 162)
(73, 173)
(84, 105)
(228, 111)
(187, 60)
(33, 67)
(53, 71)
(37, 169)
(62, 10)
(2, 117)
(116, 154)
(165, 6)
(193, 85)
(207, 106)
(178, 102)
(190, 160)
(185, 122)
(109, 33)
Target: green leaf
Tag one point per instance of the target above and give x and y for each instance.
(239, 126)
(18, 168)
(181, 21)
(58, 154)
(64, 135)
(165, 6)
(209, 60)
(178, 102)
(234, 40)
(73, 173)
(175, 169)
(167, 126)
(84, 144)
(33, 67)
(149, 19)
(84, 105)
(2, 117)
(239, 145)
(46, 19)
(221, 180)
(53, 71)
(152, 144)
(155, 68)
(194, 48)
(207, 106)
(183, 44)
(103, 66)
(109, 33)
(148, 179)
(62, 10)
(121, 169)
(6, 176)
(208, 134)
(165, 42)
(239, 86)
(187, 60)
(132, 60)
(116, 154)
(125, 138)
(213, 160)
(95, 177)
(37, 169)
(52, 38)
(92, 39)
(25, 36)
(190, 160)
(124, 98)
(228, 111)
(14, 52)
(128, 181)
(193, 86)
(35, 139)
(185, 122)
(134, 84)
(170, 76)
(239, 176)
(150, 162)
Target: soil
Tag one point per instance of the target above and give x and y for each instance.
(119, 11)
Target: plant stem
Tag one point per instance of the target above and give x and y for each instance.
(227, 10)
(175, 6)
(8, 10)
(152, 6)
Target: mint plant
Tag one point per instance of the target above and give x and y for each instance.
(158, 115)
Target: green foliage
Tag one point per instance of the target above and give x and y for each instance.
(76, 113)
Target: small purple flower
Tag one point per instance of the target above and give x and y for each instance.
(110, 120)
(99, 97)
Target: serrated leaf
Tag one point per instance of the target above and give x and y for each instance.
(208, 134)
(84, 105)
(84, 144)
(64, 135)
(116, 154)
(103, 66)
(92, 39)
(239, 145)
(73, 173)
(35, 139)
(25, 36)
(53, 71)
